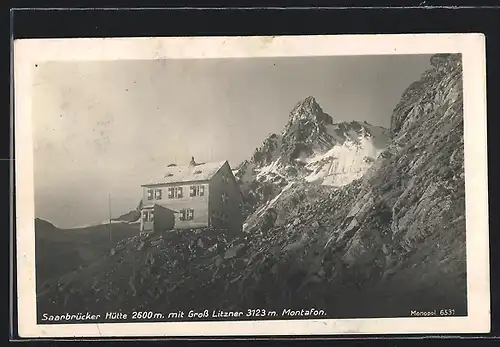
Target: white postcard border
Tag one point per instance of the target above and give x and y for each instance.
(29, 52)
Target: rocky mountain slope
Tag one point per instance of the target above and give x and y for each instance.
(388, 242)
(312, 147)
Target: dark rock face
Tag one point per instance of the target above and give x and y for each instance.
(380, 246)
(306, 130)
(264, 155)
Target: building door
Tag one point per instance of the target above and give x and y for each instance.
(147, 220)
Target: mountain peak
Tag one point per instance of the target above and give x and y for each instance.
(309, 110)
(310, 100)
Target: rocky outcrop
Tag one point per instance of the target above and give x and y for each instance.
(306, 132)
(312, 147)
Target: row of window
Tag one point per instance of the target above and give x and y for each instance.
(184, 215)
(176, 192)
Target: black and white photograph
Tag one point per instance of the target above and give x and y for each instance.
(285, 185)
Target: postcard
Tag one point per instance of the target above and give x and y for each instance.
(251, 186)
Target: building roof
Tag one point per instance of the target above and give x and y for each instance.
(188, 173)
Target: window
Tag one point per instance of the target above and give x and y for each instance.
(197, 190)
(224, 197)
(187, 214)
(150, 194)
(225, 178)
(147, 216)
(158, 193)
(175, 192)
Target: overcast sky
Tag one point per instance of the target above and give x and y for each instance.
(107, 127)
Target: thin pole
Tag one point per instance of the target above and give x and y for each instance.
(109, 203)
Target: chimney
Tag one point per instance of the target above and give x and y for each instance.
(192, 162)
